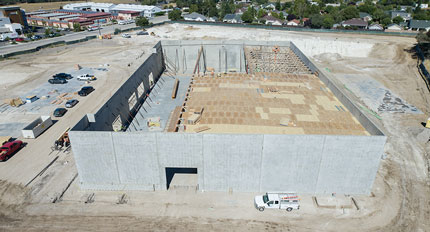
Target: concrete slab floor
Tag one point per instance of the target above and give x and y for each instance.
(160, 103)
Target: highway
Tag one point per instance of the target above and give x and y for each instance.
(72, 36)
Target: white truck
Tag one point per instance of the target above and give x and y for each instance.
(86, 77)
(272, 200)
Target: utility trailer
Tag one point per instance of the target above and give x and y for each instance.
(287, 201)
(37, 127)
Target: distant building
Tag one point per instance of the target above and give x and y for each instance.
(233, 18)
(3, 21)
(241, 10)
(212, 19)
(376, 27)
(66, 18)
(333, 4)
(355, 22)
(394, 27)
(294, 23)
(365, 16)
(15, 14)
(147, 11)
(269, 6)
(405, 15)
(195, 17)
(270, 20)
(419, 25)
(127, 15)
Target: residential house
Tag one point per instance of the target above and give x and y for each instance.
(269, 6)
(294, 23)
(355, 22)
(365, 16)
(194, 17)
(423, 5)
(419, 25)
(376, 27)
(333, 4)
(233, 18)
(394, 27)
(212, 19)
(241, 10)
(270, 20)
(405, 15)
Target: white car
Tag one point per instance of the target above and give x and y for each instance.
(125, 35)
(86, 77)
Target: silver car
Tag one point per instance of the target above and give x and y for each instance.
(71, 103)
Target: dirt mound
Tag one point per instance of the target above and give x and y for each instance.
(13, 198)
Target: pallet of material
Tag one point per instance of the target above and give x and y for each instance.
(174, 117)
(175, 88)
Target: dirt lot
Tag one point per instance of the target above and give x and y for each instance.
(29, 7)
(400, 199)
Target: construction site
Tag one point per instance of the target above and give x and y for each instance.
(187, 125)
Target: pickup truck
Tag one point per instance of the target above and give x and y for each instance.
(8, 149)
(86, 77)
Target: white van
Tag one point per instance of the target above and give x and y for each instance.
(287, 201)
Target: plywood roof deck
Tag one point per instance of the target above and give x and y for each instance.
(267, 103)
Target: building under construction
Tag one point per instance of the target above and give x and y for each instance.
(236, 115)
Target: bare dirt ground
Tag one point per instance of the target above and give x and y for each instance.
(400, 199)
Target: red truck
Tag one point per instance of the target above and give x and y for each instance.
(8, 149)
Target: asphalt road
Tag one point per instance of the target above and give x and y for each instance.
(73, 36)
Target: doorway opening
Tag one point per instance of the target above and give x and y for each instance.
(181, 178)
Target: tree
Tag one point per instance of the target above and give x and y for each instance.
(247, 17)
(142, 21)
(328, 21)
(76, 27)
(291, 17)
(278, 5)
(423, 37)
(261, 13)
(299, 7)
(316, 20)
(398, 20)
(47, 32)
(350, 12)
(175, 15)
(386, 21)
(194, 8)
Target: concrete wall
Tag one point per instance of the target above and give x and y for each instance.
(224, 56)
(304, 163)
(246, 163)
(118, 104)
(367, 123)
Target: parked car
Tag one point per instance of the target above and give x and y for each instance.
(125, 35)
(59, 112)
(62, 76)
(85, 91)
(86, 77)
(36, 37)
(71, 103)
(142, 33)
(9, 148)
(19, 39)
(57, 81)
